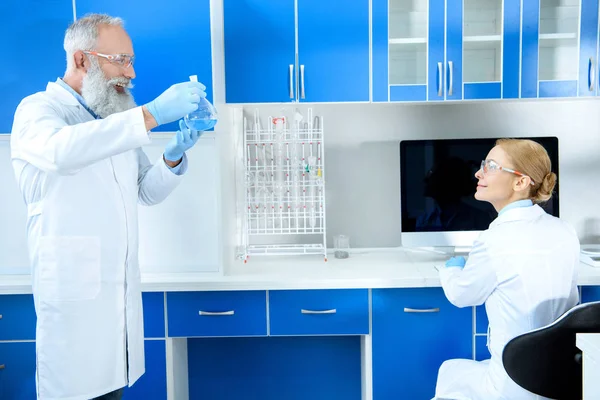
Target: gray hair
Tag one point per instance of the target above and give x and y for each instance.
(83, 34)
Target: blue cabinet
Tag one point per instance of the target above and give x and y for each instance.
(153, 384)
(17, 317)
(287, 51)
(440, 50)
(17, 371)
(590, 293)
(32, 50)
(414, 331)
(319, 312)
(559, 45)
(171, 41)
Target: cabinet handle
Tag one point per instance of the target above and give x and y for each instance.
(451, 79)
(291, 81)
(439, 78)
(332, 311)
(0, 316)
(591, 74)
(302, 81)
(2, 366)
(212, 313)
(421, 310)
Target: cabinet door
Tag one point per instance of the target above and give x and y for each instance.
(153, 384)
(414, 332)
(437, 49)
(491, 49)
(169, 46)
(260, 51)
(333, 51)
(557, 47)
(17, 370)
(400, 41)
(454, 49)
(590, 294)
(32, 50)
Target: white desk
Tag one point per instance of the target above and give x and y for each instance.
(589, 343)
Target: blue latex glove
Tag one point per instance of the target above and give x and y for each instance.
(456, 262)
(176, 102)
(183, 140)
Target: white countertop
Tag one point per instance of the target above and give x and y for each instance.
(386, 268)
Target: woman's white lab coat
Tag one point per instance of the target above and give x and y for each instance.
(81, 180)
(524, 268)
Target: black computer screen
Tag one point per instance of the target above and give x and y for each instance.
(437, 184)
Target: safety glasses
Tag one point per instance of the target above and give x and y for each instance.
(122, 60)
(492, 167)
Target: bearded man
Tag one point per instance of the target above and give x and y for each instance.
(77, 157)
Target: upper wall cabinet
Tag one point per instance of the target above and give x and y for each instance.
(436, 50)
(559, 48)
(32, 50)
(296, 50)
(169, 46)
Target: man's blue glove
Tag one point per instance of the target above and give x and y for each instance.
(456, 262)
(176, 102)
(183, 140)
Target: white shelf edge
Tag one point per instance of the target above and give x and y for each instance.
(408, 41)
(482, 38)
(557, 36)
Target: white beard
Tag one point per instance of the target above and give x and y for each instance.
(100, 94)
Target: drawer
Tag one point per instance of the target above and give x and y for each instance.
(219, 313)
(18, 317)
(153, 304)
(319, 312)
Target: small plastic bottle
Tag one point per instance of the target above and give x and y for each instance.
(205, 117)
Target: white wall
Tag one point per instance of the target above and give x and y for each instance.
(362, 156)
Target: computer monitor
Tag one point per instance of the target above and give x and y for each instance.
(438, 175)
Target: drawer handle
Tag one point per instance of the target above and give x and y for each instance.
(221, 313)
(332, 311)
(423, 310)
(2, 366)
(0, 316)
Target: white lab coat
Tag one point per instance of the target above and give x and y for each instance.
(81, 180)
(524, 268)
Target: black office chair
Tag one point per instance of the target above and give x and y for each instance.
(546, 361)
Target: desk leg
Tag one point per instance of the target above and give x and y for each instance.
(177, 369)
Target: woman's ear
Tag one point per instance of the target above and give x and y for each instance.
(521, 183)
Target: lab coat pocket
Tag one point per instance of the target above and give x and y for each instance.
(69, 268)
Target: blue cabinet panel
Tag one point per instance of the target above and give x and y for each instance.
(275, 368)
(17, 375)
(414, 331)
(292, 312)
(511, 52)
(590, 293)
(153, 384)
(333, 49)
(154, 314)
(379, 10)
(530, 48)
(558, 89)
(259, 48)
(481, 320)
(487, 90)
(588, 45)
(242, 313)
(168, 47)
(454, 49)
(436, 41)
(32, 50)
(17, 317)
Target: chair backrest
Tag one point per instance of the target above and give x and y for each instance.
(546, 361)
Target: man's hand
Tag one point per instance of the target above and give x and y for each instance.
(176, 102)
(183, 140)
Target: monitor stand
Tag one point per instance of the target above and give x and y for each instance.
(462, 250)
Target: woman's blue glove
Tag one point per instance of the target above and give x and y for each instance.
(183, 140)
(176, 102)
(456, 262)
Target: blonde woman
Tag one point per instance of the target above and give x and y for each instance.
(523, 268)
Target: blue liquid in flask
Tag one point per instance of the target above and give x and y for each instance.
(205, 117)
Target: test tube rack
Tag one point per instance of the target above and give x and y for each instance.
(284, 187)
